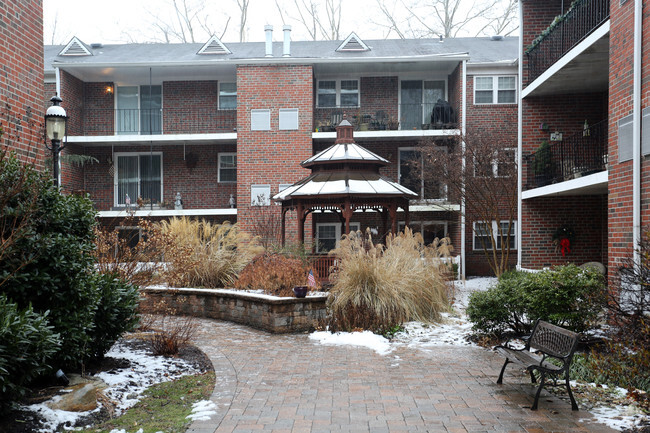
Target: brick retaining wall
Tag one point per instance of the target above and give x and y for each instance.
(276, 315)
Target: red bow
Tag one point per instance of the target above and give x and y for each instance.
(565, 246)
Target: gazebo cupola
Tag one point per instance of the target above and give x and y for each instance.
(345, 178)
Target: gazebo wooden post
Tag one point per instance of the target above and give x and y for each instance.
(347, 213)
(301, 222)
(384, 223)
(407, 215)
(284, 220)
(393, 217)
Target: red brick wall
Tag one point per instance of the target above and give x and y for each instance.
(72, 93)
(621, 51)
(587, 215)
(272, 157)
(198, 186)
(21, 79)
(192, 107)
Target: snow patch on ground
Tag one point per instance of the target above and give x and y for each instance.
(367, 339)
(202, 410)
(125, 386)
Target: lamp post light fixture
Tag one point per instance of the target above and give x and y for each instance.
(55, 121)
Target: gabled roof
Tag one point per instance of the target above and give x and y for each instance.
(75, 48)
(214, 46)
(353, 43)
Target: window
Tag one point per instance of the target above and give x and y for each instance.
(227, 96)
(139, 110)
(338, 93)
(428, 229)
(261, 120)
(128, 236)
(329, 234)
(288, 118)
(138, 176)
(260, 195)
(417, 100)
(503, 163)
(482, 234)
(411, 175)
(495, 90)
(227, 167)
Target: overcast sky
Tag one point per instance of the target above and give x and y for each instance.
(131, 20)
(121, 21)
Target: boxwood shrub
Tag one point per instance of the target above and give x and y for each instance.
(567, 296)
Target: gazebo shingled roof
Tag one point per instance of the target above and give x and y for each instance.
(345, 177)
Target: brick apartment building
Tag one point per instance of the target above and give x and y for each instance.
(21, 79)
(226, 125)
(585, 94)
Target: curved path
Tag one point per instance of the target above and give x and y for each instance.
(289, 383)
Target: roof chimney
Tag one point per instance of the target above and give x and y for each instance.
(268, 29)
(441, 38)
(286, 47)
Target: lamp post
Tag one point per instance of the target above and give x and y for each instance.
(55, 120)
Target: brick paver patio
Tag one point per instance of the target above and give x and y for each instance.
(288, 383)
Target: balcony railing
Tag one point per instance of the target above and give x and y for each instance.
(411, 116)
(578, 155)
(566, 32)
(185, 120)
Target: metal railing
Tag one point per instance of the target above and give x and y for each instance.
(582, 18)
(427, 116)
(186, 120)
(577, 155)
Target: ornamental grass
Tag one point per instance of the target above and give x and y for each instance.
(379, 287)
(219, 251)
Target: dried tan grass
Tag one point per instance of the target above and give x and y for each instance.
(219, 251)
(379, 287)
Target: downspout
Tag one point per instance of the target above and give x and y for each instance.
(57, 75)
(520, 144)
(636, 136)
(463, 130)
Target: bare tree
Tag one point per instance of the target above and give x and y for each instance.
(449, 18)
(479, 169)
(189, 22)
(243, 16)
(321, 19)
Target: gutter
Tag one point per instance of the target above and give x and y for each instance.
(463, 130)
(520, 143)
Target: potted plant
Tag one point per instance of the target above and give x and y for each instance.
(542, 163)
(393, 124)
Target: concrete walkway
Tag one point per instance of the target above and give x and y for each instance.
(288, 383)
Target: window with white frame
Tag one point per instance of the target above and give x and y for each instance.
(329, 234)
(260, 195)
(138, 175)
(482, 234)
(411, 175)
(429, 230)
(138, 110)
(261, 120)
(495, 90)
(227, 96)
(500, 164)
(227, 171)
(337, 93)
(288, 118)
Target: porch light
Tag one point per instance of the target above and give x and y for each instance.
(55, 122)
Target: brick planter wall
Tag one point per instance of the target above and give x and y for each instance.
(276, 315)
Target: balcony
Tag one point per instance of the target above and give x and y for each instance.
(578, 155)
(564, 33)
(184, 120)
(405, 117)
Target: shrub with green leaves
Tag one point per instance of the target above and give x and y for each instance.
(27, 344)
(567, 296)
(115, 314)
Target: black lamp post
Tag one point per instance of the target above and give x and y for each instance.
(55, 120)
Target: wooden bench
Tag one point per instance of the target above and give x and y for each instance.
(551, 342)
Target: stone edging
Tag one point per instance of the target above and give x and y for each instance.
(272, 314)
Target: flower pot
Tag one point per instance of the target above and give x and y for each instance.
(300, 291)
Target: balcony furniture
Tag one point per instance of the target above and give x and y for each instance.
(442, 114)
(551, 343)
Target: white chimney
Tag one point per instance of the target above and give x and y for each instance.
(286, 47)
(268, 29)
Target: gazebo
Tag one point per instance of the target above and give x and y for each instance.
(345, 178)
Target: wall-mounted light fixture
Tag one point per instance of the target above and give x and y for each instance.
(109, 90)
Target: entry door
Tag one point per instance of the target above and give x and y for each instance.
(411, 104)
(127, 113)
